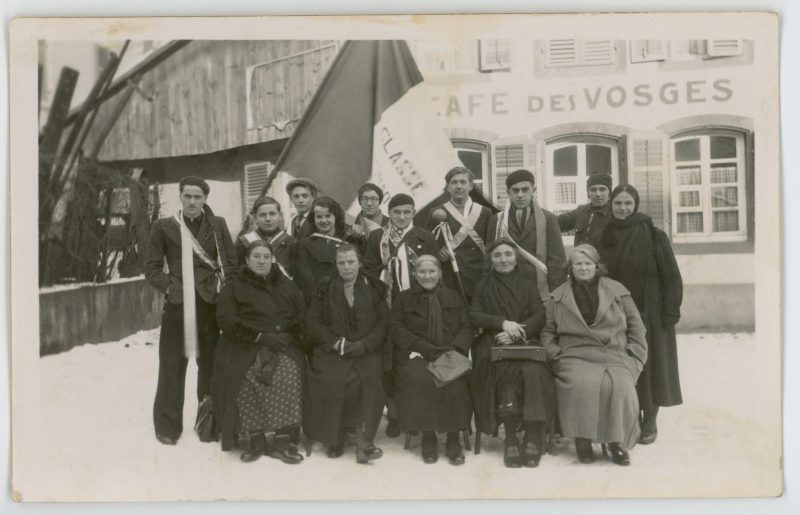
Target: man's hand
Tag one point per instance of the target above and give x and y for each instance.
(445, 255)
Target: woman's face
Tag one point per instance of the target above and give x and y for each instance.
(427, 275)
(347, 264)
(268, 218)
(260, 261)
(324, 220)
(583, 268)
(504, 259)
(623, 205)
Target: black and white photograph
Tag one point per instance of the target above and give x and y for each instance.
(395, 257)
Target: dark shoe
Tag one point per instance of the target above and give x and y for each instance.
(166, 440)
(453, 449)
(430, 456)
(619, 455)
(531, 456)
(583, 448)
(430, 447)
(511, 457)
(365, 456)
(252, 455)
(282, 449)
(648, 435)
(334, 451)
(393, 428)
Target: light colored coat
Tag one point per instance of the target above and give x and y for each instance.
(596, 366)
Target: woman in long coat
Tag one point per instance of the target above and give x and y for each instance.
(346, 325)
(595, 339)
(510, 312)
(640, 256)
(315, 256)
(258, 365)
(427, 321)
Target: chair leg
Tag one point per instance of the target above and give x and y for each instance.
(551, 436)
(407, 444)
(309, 445)
(465, 435)
(604, 449)
(477, 441)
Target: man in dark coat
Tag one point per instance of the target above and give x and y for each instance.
(469, 224)
(589, 220)
(268, 218)
(534, 229)
(213, 257)
(302, 192)
(391, 255)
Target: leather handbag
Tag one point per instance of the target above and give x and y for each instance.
(519, 353)
(448, 367)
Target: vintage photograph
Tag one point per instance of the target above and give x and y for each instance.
(448, 257)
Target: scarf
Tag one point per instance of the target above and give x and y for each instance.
(628, 248)
(467, 221)
(506, 295)
(540, 259)
(398, 267)
(368, 224)
(587, 298)
(435, 320)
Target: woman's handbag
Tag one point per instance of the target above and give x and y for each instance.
(448, 367)
(205, 425)
(519, 353)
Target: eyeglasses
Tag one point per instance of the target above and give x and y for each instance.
(370, 199)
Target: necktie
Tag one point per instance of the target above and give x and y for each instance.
(521, 218)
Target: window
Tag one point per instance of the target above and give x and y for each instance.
(576, 52)
(570, 162)
(474, 155)
(442, 57)
(495, 54)
(644, 50)
(708, 178)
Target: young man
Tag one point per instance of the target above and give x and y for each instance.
(370, 218)
(391, 255)
(198, 251)
(302, 193)
(266, 221)
(534, 229)
(589, 220)
(469, 225)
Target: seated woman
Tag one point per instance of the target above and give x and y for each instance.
(257, 385)
(264, 222)
(315, 256)
(428, 320)
(595, 338)
(514, 393)
(346, 325)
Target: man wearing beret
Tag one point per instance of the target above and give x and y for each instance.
(198, 251)
(302, 192)
(469, 224)
(534, 229)
(370, 197)
(589, 220)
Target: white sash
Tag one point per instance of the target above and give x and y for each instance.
(467, 224)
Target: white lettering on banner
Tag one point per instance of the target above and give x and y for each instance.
(591, 98)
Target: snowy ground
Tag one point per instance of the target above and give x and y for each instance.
(97, 399)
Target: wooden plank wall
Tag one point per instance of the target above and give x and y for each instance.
(199, 98)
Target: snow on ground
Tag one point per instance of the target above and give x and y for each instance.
(98, 400)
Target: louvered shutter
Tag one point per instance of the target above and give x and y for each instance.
(648, 176)
(723, 47)
(507, 156)
(255, 178)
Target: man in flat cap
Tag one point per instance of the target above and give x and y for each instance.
(198, 251)
(391, 255)
(302, 192)
(370, 197)
(589, 220)
(468, 222)
(534, 229)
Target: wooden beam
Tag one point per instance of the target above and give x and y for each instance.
(54, 127)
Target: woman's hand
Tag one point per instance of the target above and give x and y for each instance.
(503, 338)
(514, 330)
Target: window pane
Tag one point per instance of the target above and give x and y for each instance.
(565, 162)
(473, 161)
(723, 147)
(565, 193)
(725, 221)
(598, 159)
(688, 175)
(690, 222)
(724, 197)
(723, 173)
(688, 150)
(689, 199)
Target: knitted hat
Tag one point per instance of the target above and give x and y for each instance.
(599, 178)
(401, 199)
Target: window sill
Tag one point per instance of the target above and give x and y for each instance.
(729, 247)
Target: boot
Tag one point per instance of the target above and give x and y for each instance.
(649, 427)
(619, 455)
(453, 449)
(583, 448)
(282, 449)
(511, 454)
(258, 446)
(430, 447)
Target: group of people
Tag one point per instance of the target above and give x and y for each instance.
(322, 326)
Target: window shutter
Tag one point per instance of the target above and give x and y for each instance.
(495, 54)
(562, 52)
(648, 177)
(597, 52)
(574, 52)
(256, 176)
(723, 47)
(645, 50)
(506, 157)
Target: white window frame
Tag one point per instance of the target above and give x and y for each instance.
(484, 149)
(488, 59)
(647, 50)
(704, 188)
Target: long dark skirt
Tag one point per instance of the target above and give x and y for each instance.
(659, 383)
(422, 406)
(270, 408)
(524, 388)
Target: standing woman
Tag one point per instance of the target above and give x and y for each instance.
(595, 339)
(346, 326)
(258, 380)
(640, 256)
(510, 312)
(315, 256)
(428, 320)
(265, 222)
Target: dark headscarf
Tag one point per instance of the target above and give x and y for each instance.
(507, 295)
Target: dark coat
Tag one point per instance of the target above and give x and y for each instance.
(248, 306)
(470, 257)
(306, 229)
(419, 240)
(164, 245)
(421, 405)
(556, 259)
(588, 223)
(329, 318)
(283, 250)
(315, 259)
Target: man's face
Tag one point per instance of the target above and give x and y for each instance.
(459, 187)
(598, 195)
(302, 198)
(521, 194)
(370, 203)
(268, 218)
(192, 201)
(401, 216)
